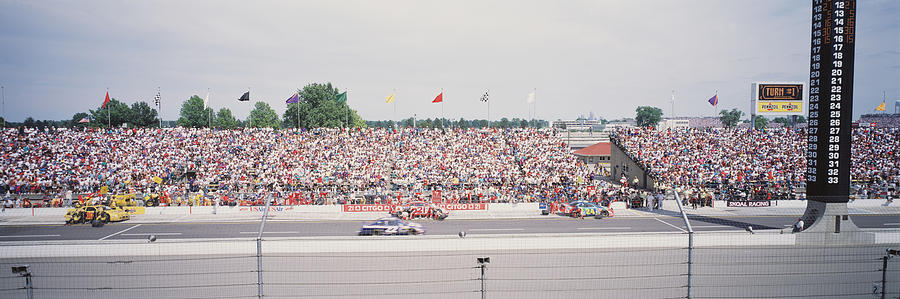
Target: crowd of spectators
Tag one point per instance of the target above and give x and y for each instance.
(464, 165)
(751, 164)
(875, 163)
(880, 120)
(319, 165)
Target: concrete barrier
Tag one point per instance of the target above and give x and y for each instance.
(24, 212)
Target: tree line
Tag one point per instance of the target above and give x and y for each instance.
(647, 116)
(319, 105)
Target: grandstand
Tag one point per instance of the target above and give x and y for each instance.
(881, 120)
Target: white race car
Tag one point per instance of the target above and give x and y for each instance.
(392, 226)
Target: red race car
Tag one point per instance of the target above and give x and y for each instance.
(418, 209)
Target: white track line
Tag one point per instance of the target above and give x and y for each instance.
(155, 234)
(121, 231)
(494, 229)
(271, 232)
(29, 236)
(887, 224)
(669, 224)
(614, 227)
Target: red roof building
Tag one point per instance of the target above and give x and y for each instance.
(594, 154)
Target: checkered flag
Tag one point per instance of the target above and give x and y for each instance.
(156, 99)
(484, 98)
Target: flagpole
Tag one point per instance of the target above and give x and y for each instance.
(442, 108)
(3, 106)
(489, 112)
(108, 114)
(159, 106)
(347, 117)
(395, 106)
(209, 113)
(297, 103)
(716, 106)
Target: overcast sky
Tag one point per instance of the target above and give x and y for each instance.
(58, 58)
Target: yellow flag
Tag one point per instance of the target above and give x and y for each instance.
(157, 180)
(389, 99)
(880, 107)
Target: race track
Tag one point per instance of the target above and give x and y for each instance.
(548, 225)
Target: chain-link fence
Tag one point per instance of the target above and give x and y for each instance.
(720, 265)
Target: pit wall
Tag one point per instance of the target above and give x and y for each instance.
(337, 212)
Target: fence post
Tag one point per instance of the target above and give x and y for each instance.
(690, 230)
(262, 226)
(482, 263)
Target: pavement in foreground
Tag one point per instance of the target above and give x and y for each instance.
(547, 225)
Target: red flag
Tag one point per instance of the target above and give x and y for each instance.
(105, 101)
(439, 98)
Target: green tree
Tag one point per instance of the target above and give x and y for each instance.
(263, 116)
(504, 123)
(730, 119)
(192, 113)
(648, 116)
(761, 122)
(143, 116)
(224, 119)
(118, 113)
(319, 107)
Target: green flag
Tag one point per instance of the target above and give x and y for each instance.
(342, 97)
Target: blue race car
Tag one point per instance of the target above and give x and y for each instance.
(392, 226)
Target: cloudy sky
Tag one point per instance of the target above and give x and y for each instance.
(606, 57)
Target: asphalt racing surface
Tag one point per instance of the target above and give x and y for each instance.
(549, 225)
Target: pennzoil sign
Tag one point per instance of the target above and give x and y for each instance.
(783, 98)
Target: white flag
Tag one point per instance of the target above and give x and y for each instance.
(530, 98)
(206, 100)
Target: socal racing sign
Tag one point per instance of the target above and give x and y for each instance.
(749, 203)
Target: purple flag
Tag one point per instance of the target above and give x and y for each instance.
(293, 99)
(714, 100)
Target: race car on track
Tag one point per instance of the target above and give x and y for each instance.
(418, 209)
(392, 226)
(100, 213)
(578, 209)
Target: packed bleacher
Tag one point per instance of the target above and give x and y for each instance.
(771, 161)
(322, 166)
(310, 166)
(880, 120)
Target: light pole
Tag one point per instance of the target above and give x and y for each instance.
(22, 270)
(482, 263)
